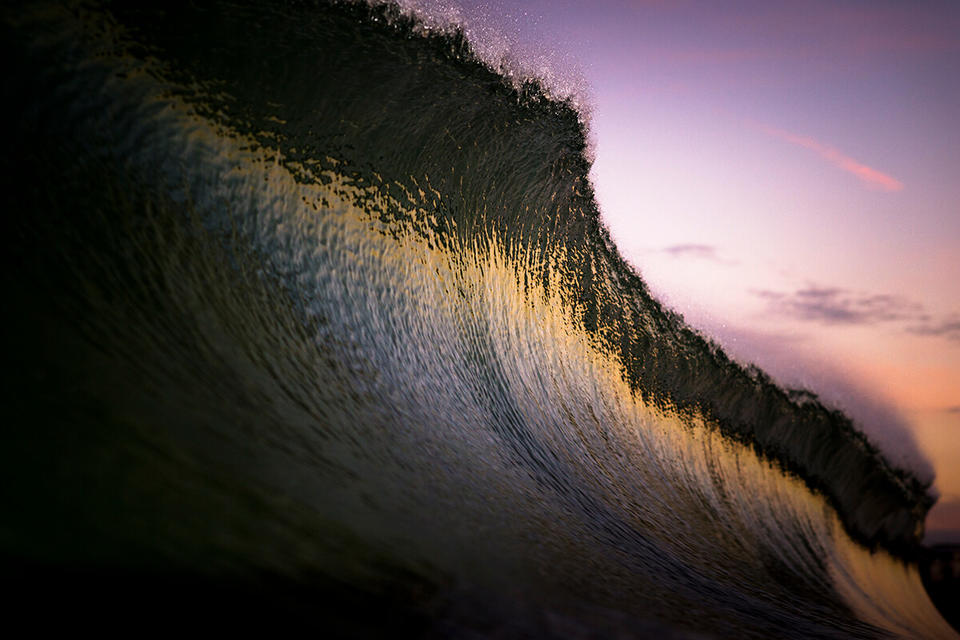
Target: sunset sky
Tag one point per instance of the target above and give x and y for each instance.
(787, 176)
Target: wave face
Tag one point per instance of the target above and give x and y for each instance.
(309, 296)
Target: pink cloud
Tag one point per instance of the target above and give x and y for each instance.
(870, 176)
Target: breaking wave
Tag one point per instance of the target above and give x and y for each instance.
(310, 292)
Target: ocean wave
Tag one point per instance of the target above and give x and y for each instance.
(313, 290)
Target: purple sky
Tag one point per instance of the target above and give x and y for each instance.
(787, 176)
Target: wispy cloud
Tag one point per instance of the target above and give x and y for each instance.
(699, 251)
(868, 175)
(833, 305)
(946, 328)
(836, 306)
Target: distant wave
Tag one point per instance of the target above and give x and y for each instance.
(311, 290)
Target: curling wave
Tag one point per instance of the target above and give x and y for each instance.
(311, 292)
